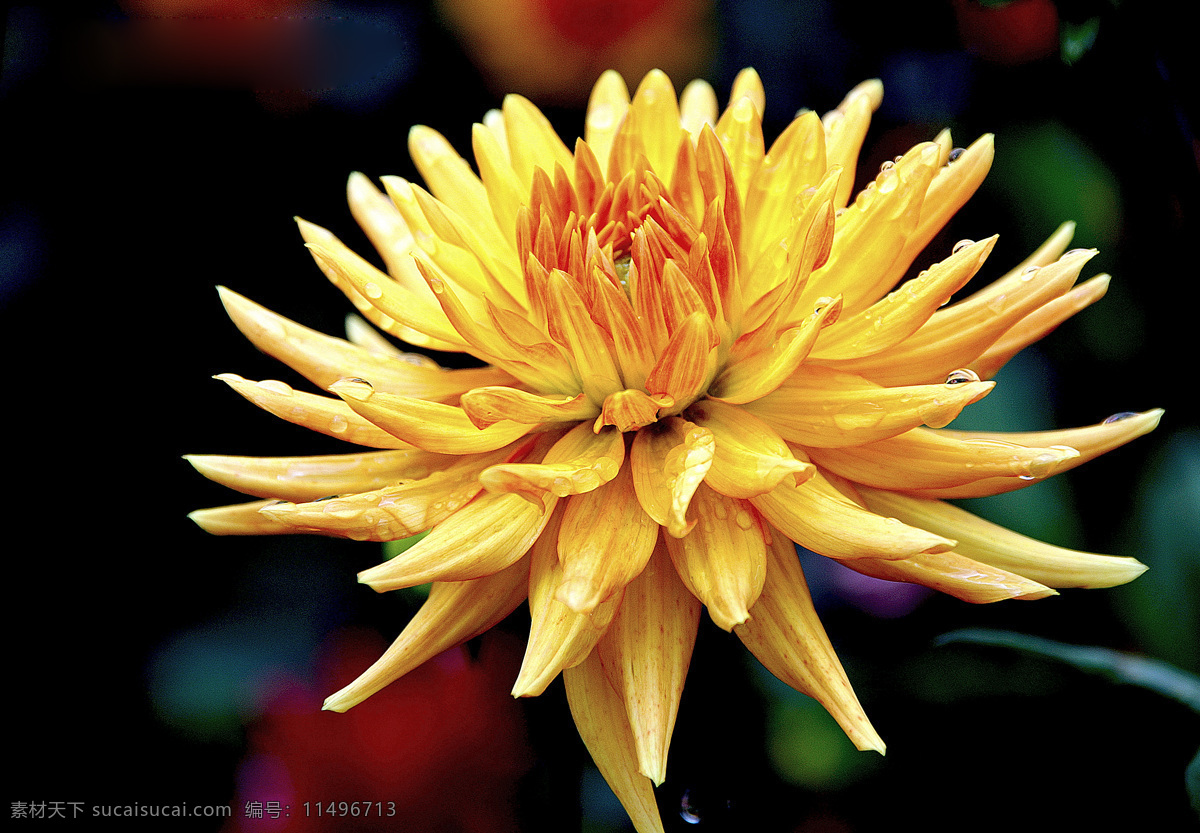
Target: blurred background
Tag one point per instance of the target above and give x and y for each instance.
(160, 147)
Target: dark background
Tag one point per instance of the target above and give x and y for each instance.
(155, 150)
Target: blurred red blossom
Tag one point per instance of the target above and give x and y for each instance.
(441, 750)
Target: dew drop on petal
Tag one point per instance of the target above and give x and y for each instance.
(960, 245)
(954, 154)
(276, 386)
(688, 811)
(1120, 416)
(743, 519)
(887, 166)
(1029, 273)
(962, 376)
(372, 290)
(339, 424)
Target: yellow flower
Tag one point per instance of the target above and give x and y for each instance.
(697, 352)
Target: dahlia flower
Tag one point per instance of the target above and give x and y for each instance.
(697, 353)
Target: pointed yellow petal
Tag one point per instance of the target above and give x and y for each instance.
(898, 315)
(955, 336)
(239, 519)
(928, 460)
(606, 109)
(820, 407)
(817, 516)
(605, 541)
(754, 376)
(668, 461)
(558, 636)
(309, 478)
(740, 131)
(786, 635)
(697, 107)
(396, 511)
(957, 575)
(845, 129)
(581, 461)
(1088, 443)
(601, 718)
(454, 612)
(723, 560)
(1039, 324)
(996, 546)
(645, 655)
(428, 425)
(587, 343)
(486, 406)
(317, 413)
(750, 457)
(532, 142)
(323, 359)
(383, 224)
(487, 535)
(655, 111)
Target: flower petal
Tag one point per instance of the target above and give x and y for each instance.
(957, 575)
(558, 636)
(668, 462)
(817, 516)
(486, 406)
(239, 519)
(317, 413)
(323, 359)
(960, 463)
(428, 425)
(723, 560)
(582, 460)
(750, 457)
(454, 612)
(820, 407)
(786, 635)
(309, 478)
(603, 724)
(487, 535)
(605, 542)
(646, 653)
(996, 546)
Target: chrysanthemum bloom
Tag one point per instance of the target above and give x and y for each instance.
(697, 352)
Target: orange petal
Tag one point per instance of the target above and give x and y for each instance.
(239, 519)
(687, 364)
(486, 406)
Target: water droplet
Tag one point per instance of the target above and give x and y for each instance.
(887, 166)
(743, 519)
(954, 154)
(360, 381)
(998, 303)
(859, 415)
(276, 386)
(1076, 252)
(962, 376)
(960, 245)
(372, 290)
(1029, 273)
(1121, 416)
(687, 810)
(339, 424)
